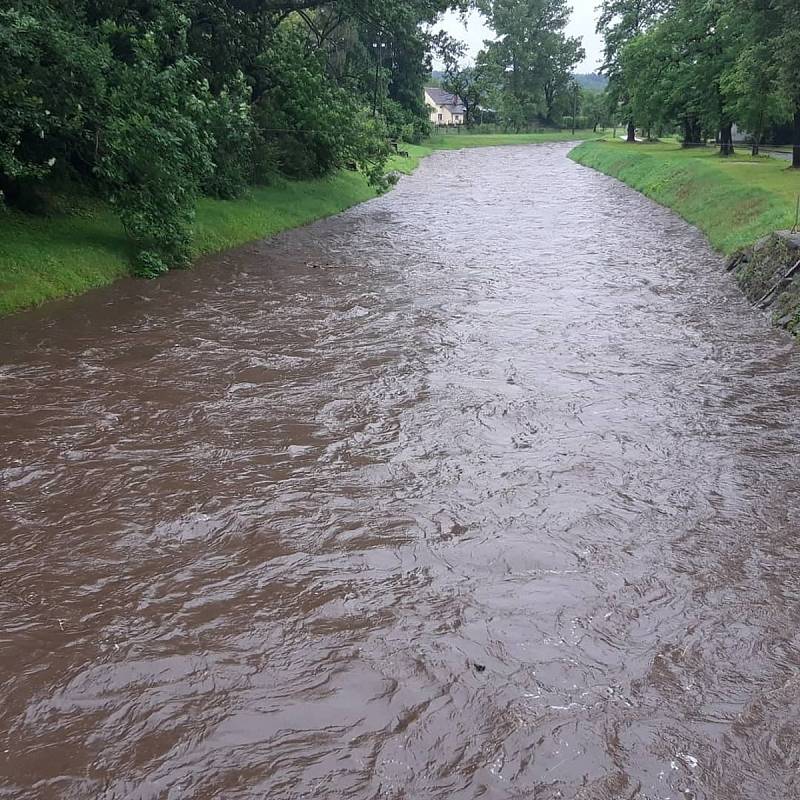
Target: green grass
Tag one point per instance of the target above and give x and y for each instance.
(456, 141)
(268, 210)
(734, 200)
(416, 152)
(460, 141)
(43, 258)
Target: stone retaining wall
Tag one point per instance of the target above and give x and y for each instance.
(769, 274)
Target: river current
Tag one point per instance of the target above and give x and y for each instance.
(487, 488)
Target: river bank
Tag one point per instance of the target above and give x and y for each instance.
(83, 246)
(734, 201)
(737, 202)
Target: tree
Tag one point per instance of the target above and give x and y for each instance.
(705, 64)
(752, 83)
(620, 22)
(595, 108)
(650, 99)
(559, 85)
(153, 102)
(53, 81)
(751, 80)
(532, 57)
(787, 56)
(675, 70)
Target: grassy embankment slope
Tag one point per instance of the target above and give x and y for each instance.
(42, 258)
(734, 200)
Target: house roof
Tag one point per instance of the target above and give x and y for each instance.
(443, 98)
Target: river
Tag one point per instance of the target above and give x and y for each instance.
(487, 488)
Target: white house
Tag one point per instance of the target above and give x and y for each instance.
(445, 108)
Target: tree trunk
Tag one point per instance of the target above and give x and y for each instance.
(631, 132)
(796, 140)
(691, 132)
(756, 143)
(758, 134)
(726, 139)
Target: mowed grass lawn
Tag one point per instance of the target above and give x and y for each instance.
(459, 141)
(734, 200)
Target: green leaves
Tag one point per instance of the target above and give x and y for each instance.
(532, 58)
(314, 124)
(48, 69)
(703, 64)
(155, 152)
(151, 104)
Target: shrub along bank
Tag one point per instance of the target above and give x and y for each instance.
(81, 244)
(738, 202)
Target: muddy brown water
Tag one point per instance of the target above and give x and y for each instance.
(488, 488)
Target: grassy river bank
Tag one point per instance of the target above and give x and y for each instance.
(738, 202)
(83, 246)
(734, 200)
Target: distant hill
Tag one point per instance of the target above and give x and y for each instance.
(435, 78)
(592, 81)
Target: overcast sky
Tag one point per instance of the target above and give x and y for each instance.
(582, 24)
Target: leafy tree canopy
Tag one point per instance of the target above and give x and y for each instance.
(152, 102)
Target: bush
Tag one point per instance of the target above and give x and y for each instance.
(44, 119)
(229, 122)
(150, 104)
(368, 147)
(155, 154)
(312, 125)
(266, 163)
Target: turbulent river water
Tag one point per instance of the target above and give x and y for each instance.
(487, 488)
